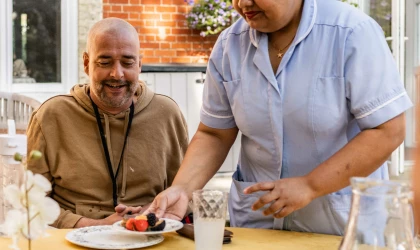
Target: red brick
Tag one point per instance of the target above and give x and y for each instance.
(150, 16)
(149, 38)
(165, 45)
(178, 2)
(132, 8)
(133, 16)
(155, 2)
(166, 23)
(118, 1)
(166, 60)
(182, 24)
(166, 2)
(119, 15)
(116, 8)
(165, 53)
(178, 17)
(181, 45)
(151, 60)
(180, 38)
(182, 53)
(183, 9)
(208, 46)
(165, 8)
(149, 23)
(169, 38)
(195, 39)
(197, 46)
(166, 17)
(148, 8)
(149, 31)
(106, 8)
(181, 60)
(135, 2)
(179, 31)
(152, 45)
(149, 53)
(136, 23)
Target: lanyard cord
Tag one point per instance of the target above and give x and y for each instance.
(104, 145)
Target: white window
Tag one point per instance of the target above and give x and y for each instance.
(38, 45)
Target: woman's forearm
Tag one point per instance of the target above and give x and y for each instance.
(360, 157)
(205, 154)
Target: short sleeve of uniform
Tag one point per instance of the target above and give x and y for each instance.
(373, 86)
(216, 111)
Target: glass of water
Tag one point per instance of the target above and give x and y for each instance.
(210, 208)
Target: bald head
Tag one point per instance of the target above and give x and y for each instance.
(111, 26)
(113, 63)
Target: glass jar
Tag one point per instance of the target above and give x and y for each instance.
(380, 216)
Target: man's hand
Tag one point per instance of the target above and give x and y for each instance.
(171, 203)
(120, 211)
(285, 195)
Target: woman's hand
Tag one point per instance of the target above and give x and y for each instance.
(285, 195)
(171, 203)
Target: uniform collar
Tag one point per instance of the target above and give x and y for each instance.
(305, 26)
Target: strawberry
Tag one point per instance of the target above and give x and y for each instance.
(141, 225)
(129, 225)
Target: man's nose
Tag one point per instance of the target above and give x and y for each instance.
(117, 71)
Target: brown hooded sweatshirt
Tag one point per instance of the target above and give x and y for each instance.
(65, 130)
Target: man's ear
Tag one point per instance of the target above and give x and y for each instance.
(86, 62)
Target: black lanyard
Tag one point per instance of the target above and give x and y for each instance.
(104, 145)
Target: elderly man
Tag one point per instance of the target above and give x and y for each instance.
(110, 142)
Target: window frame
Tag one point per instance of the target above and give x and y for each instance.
(69, 51)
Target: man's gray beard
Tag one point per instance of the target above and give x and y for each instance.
(113, 102)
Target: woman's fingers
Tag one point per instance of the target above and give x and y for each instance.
(275, 207)
(262, 186)
(283, 212)
(265, 199)
(158, 207)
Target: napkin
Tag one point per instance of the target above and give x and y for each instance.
(188, 231)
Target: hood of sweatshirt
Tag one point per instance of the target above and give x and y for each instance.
(143, 96)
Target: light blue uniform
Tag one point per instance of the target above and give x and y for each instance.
(337, 78)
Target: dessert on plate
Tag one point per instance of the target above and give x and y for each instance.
(143, 223)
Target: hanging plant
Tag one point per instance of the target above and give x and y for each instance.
(210, 16)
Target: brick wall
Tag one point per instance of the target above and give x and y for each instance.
(163, 32)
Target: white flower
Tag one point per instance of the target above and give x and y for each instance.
(48, 210)
(15, 219)
(31, 196)
(14, 196)
(38, 181)
(37, 185)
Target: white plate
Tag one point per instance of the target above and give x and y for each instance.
(171, 226)
(105, 237)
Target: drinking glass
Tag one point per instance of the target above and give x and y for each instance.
(210, 208)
